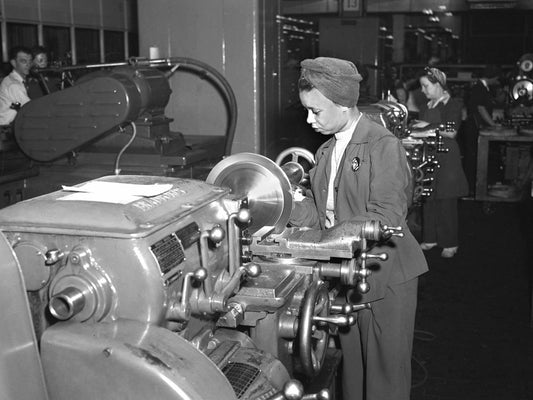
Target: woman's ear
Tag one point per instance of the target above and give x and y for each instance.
(344, 109)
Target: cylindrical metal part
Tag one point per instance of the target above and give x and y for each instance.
(372, 230)
(288, 326)
(151, 84)
(329, 269)
(67, 303)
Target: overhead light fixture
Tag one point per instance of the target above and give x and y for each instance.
(434, 18)
(448, 14)
(442, 7)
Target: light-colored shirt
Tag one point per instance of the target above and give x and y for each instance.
(442, 99)
(341, 142)
(12, 90)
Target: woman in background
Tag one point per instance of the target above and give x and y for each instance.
(40, 84)
(440, 215)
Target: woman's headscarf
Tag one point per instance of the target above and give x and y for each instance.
(336, 79)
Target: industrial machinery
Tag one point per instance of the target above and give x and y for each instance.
(421, 145)
(99, 105)
(137, 286)
(391, 114)
(109, 118)
(519, 112)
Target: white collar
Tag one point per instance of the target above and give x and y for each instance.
(345, 135)
(484, 82)
(17, 76)
(442, 99)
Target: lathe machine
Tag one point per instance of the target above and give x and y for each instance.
(150, 287)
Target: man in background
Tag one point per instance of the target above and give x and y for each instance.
(480, 106)
(13, 91)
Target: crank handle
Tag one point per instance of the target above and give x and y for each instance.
(348, 308)
(339, 319)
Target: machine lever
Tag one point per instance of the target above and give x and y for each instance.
(218, 300)
(381, 256)
(216, 234)
(363, 273)
(389, 231)
(181, 312)
(242, 216)
(348, 308)
(53, 256)
(294, 390)
(339, 319)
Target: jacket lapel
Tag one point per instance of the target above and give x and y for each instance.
(359, 136)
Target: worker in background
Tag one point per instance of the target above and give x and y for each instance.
(416, 100)
(480, 106)
(40, 84)
(361, 174)
(440, 214)
(13, 91)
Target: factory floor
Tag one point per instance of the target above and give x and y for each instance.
(474, 338)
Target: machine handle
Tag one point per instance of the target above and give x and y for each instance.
(339, 319)
(348, 308)
(294, 390)
(53, 256)
(243, 217)
(218, 300)
(389, 231)
(381, 256)
(216, 234)
(363, 272)
(181, 312)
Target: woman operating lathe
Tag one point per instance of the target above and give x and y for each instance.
(440, 216)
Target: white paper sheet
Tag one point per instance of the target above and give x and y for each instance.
(113, 192)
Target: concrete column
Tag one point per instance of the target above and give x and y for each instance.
(398, 44)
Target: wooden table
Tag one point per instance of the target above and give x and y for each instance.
(486, 137)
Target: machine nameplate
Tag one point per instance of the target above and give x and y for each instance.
(149, 203)
(168, 252)
(189, 234)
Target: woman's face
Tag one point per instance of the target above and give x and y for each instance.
(325, 116)
(432, 91)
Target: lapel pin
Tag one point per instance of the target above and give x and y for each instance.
(356, 163)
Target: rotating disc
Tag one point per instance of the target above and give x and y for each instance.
(263, 182)
(526, 65)
(522, 90)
